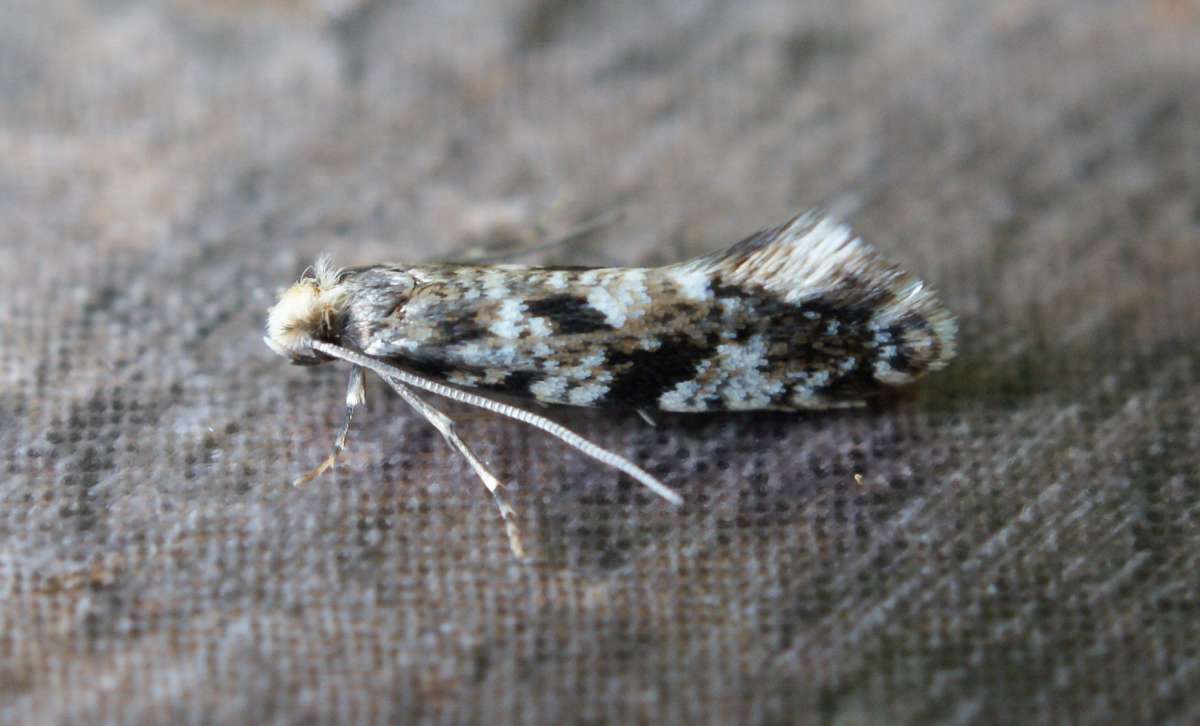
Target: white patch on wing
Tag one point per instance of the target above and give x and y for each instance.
(609, 307)
(557, 280)
(588, 366)
(681, 397)
(391, 346)
(495, 281)
(628, 288)
(513, 320)
(737, 376)
(595, 359)
(510, 319)
(693, 283)
(474, 355)
(587, 394)
(549, 389)
(743, 366)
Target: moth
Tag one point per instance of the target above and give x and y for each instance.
(796, 317)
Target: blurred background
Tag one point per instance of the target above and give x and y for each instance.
(1024, 540)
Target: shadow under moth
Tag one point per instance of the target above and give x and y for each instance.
(800, 316)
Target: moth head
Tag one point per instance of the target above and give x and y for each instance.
(310, 310)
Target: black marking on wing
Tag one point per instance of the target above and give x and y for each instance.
(516, 383)
(570, 314)
(854, 316)
(799, 338)
(459, 326)
(720, 289)
(909, 360)
(643, 375)
(852, 385)
(430, 368)
(902, 359)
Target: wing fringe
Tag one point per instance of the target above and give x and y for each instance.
(812, 256)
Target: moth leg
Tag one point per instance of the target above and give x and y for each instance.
(445, 425)
(647, 417)
(356, 395)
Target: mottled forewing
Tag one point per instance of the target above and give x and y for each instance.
(692, 337)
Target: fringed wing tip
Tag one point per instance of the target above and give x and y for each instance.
(802, 257)
(814, 257)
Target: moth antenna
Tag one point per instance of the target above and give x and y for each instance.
(556, 430)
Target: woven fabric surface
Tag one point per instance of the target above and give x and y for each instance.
(1021, 543)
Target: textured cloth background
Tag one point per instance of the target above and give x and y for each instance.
(1024, 545)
